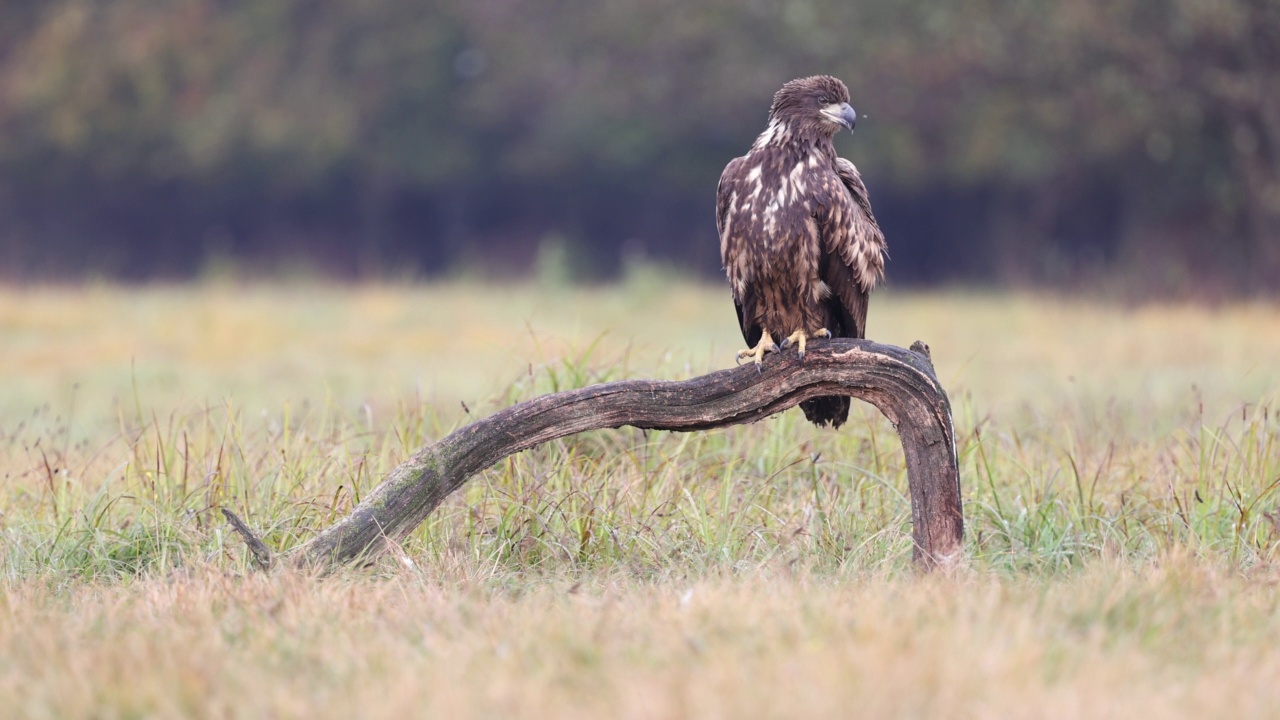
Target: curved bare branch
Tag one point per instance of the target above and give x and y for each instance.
(901, 383)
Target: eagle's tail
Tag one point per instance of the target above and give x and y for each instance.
(831, 410)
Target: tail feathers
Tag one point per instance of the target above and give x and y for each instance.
(832, 410)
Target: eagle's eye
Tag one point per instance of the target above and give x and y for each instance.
(824, 100)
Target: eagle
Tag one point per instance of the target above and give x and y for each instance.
(797, 238)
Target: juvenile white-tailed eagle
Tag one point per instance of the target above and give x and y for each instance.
(797, 237)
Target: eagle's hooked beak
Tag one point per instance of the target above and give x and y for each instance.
(849, 115)
(841, 114)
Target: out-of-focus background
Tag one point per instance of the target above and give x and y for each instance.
(1132, 145)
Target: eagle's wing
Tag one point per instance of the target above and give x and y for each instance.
(853, 251)
(735, 247)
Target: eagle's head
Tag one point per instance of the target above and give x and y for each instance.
(815, 106)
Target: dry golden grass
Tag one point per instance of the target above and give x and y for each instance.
(1176, 638)
(1119, 465)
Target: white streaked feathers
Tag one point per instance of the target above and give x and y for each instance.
(776, 129)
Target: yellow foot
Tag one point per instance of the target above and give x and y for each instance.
(756, 353)
(800, 337)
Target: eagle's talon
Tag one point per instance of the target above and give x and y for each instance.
(757, 353)
(800, 339)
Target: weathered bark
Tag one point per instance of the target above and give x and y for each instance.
(901, 383)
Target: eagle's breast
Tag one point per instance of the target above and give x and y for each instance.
(769, 229)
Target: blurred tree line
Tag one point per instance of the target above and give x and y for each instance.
(1003, 140)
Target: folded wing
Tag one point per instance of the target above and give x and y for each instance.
(853, 253)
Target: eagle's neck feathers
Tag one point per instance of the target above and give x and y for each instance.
(782, 135)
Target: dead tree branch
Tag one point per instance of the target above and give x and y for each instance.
(901, 383)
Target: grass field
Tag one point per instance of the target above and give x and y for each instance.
(1119, 471)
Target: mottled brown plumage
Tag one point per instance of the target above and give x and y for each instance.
(797, 237)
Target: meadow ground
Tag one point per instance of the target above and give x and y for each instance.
(1119, 472)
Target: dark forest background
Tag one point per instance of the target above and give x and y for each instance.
(1004, 141)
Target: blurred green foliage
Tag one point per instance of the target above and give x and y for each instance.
(1002, 139)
